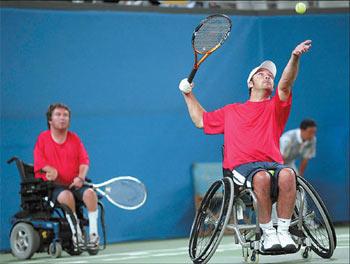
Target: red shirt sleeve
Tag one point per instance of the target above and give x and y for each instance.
(83, 156)
(214, 122)
(39, 157)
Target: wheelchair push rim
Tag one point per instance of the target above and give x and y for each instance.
(211, 220)
(317, 223)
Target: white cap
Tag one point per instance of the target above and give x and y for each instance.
(269, 65)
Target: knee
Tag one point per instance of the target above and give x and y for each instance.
(66, 197)
(90, 195)
(286, 179)
(262, 181)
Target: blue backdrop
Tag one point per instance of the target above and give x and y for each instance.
(119, 72)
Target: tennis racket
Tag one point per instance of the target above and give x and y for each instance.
(208, 36)
(126, 192)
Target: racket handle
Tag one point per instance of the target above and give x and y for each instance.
(191, 76)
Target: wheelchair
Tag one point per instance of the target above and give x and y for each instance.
(231, 207)
(41, 225)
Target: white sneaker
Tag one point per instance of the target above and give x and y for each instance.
(270, 240)
(287, 242)
(94, 242)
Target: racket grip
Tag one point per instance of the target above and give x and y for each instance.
(191, 76)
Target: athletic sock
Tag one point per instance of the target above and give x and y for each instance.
(93, 222)
(283, 225)
(267, 226)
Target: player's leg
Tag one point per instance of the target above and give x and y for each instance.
(66, 197)
(285, 207)
(262, 190)
(89, 197)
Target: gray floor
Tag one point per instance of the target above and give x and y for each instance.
(176, 251)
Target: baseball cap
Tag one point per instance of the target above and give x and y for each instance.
(269, 65)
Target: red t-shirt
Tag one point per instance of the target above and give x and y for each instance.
(251, 130)
(65, 158)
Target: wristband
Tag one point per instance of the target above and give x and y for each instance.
(81, 179)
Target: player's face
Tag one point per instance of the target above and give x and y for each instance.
(263, 79)
(59, 119)
(309, 133)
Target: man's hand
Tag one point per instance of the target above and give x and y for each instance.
(77, 183)
(302, 48)
(51, 173)
(185, 86)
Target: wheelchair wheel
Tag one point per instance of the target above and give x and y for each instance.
(211, 220)
(24, 240)
(317, 224)
(55, 249)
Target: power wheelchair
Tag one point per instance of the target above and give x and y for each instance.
(41, 225)
(231, 207)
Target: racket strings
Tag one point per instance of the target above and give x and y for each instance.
(126, 193)
(213, 32)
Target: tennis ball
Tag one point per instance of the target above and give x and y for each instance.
(300, 8)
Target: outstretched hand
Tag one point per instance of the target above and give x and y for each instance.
(302, 48)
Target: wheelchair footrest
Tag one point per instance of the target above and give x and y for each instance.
(296, 232)
(278, 252)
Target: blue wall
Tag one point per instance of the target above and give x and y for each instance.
(119, 73)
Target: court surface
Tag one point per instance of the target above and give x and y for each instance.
(176, 251)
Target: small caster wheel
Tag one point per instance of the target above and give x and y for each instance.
(55, 249)
(255, 257)
(306, 254)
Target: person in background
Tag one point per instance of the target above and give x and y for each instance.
(299, 143)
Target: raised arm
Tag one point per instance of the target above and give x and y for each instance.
(290, 72)
(194, 107)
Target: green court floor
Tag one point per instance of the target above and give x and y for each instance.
(176, 251)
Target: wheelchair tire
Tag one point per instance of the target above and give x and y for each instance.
(317, 223)
(24, 240)
(211, 220)
(55, 249)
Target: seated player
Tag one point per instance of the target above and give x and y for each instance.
(251, 138)
(60, 156)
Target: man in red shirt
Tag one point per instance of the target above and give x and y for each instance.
(251, 138)
(60, 156)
